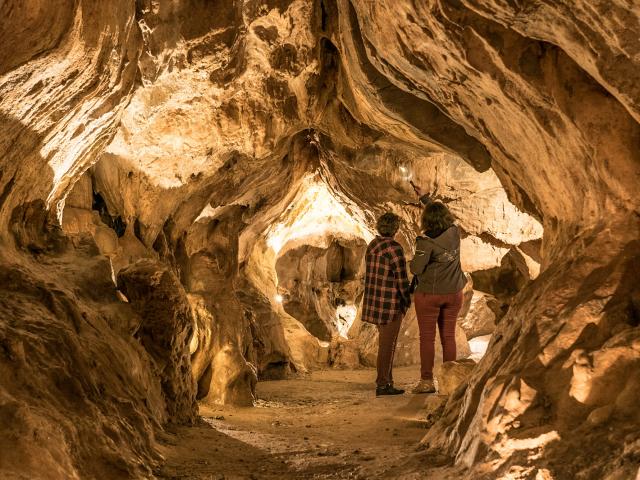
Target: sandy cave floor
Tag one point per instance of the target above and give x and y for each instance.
(328, 425)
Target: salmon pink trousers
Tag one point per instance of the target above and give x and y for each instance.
(432, 310)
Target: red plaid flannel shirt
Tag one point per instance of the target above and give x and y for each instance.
(386, 285)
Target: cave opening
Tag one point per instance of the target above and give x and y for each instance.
(187, 191)
(318, 250)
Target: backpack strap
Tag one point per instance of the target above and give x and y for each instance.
(445, 256)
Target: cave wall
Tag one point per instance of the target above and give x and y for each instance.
(314, 282)
(65, 83)
(239, 338)
(79, 396)
(177, 108)
(533, 95)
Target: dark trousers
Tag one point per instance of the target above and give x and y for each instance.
(387, 338)
(441, 310)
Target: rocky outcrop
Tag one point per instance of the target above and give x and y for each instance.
(450, 375)
(306, 351)
(322, 287)
(79, 397)
(157, 296)
(63, 88)
(528, 356)
(480, 318)
(227, 348)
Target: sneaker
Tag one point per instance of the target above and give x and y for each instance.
(424, 386)
(388, 389)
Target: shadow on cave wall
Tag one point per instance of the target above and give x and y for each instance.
(22, 210)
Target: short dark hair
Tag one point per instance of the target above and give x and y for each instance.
(436, 218)
(388, 224)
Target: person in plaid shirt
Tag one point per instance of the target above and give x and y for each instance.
(386, 296)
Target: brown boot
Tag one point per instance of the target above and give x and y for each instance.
(424, 386)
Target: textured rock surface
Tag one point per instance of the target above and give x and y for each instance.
(167, 324)
(306, 351)
(528, 383)
(78, 397)
(533, 93)
(480, 319)
(239, 335)
(64, 86)
(214, 133)
(450, 375)
(315, 283)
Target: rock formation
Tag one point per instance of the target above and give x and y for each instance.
(185, 187)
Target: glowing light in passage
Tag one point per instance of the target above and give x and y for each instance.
(316, 212)
(345, 316)
(478, 346)
(279, 298)
(405, 172)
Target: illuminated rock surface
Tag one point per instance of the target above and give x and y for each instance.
(450, 375)
(237, 153)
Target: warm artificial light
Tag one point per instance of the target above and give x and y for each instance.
(405, 172)
(318, 213)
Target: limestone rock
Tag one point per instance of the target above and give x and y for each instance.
(35, 231)
(477, 200)
(316, 282)
(78, 396)
(505, 280)
(81, 195)
(591, 388)
(157, 296)
(433, 408)
(233, 379)
(61, 95)
(478, 347)
(307, 351)
(216, 132)
(467, 296)
(344, 353)
(475, 254)
(240, 337)
(450, 375)
(409, 60)
(480, 319)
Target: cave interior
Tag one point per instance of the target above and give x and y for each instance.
(188, 187)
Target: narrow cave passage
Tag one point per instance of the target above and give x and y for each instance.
(314, 410)
(187, 192)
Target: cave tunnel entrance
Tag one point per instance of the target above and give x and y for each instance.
(312, 258)
(322, 287)
(317, 260)
(277, 305)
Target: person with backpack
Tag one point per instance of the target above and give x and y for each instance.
(438, 284)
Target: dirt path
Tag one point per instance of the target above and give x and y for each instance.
(329, 425)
